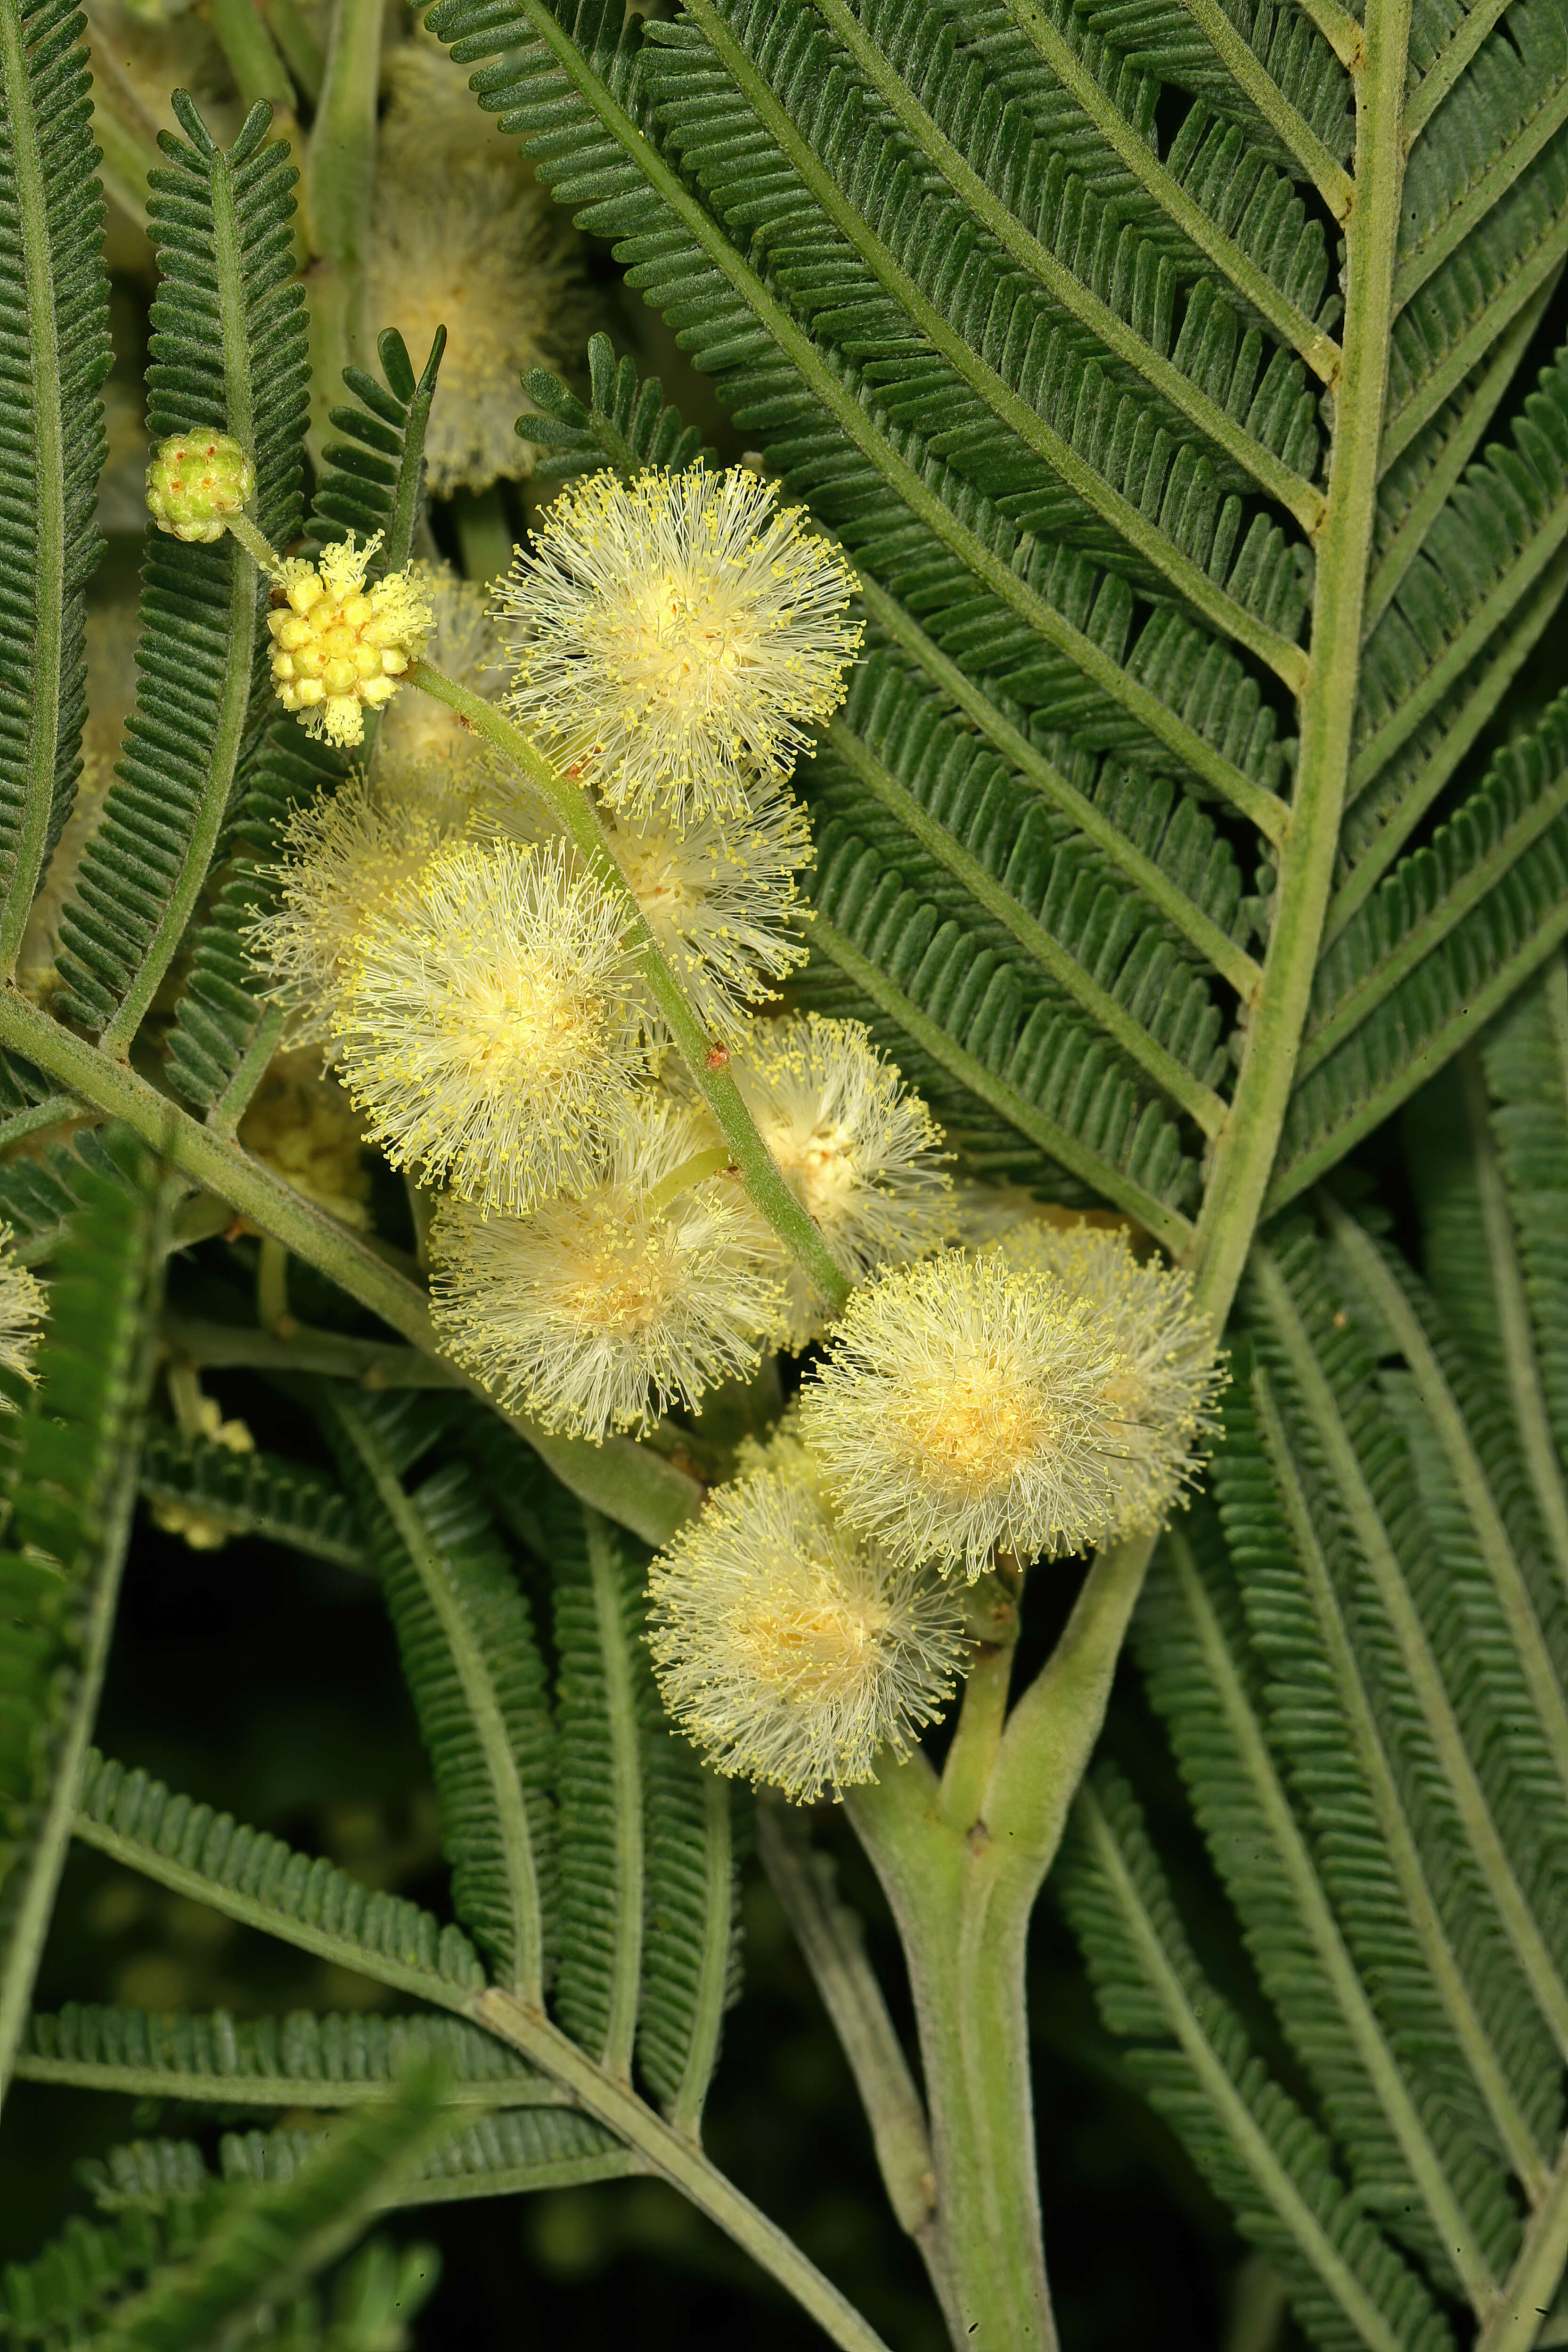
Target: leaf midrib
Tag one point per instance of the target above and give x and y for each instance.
(48, 583)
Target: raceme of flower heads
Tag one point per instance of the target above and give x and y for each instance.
(598, 1312)
(857, 1148)
(1163, 1395)
(719, 895)
(22, 1306)
(345, 853)
(339, 647)
(676, 636)
(961, 1409)
(787, 1650)
(488, 1027)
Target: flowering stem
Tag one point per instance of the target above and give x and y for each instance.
(954, 1894)
(256, 546)
(707, 1062)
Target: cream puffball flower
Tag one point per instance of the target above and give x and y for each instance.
(789, 1652)
(345, 852)
(677, 636)
(961, 1409)
(1163, 1394)
(857, 1148)
(598, 1312)
(489, 1026)
(339, 647)
(22, 1306)
(719, 898)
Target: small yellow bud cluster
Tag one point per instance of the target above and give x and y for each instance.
(195, 482)
(341, 646)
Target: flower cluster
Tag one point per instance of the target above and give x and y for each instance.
(479, 982)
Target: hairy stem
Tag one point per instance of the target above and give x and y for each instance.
(707, 1063)
(953, 1896)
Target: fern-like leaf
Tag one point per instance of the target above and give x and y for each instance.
(54, 354)
(72, 1484)
(471, 1663)
(254, 1495)
(228, 354)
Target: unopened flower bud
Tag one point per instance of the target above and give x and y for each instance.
(196, 481)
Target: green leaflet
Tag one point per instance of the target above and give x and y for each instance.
(70, 1486)
(258, 1879)
(299, 2061)
(1190, 2052)
(228, 352)
(54, 354)
(87, 2271)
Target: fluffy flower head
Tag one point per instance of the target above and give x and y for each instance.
(348, 852)
(195, 481)
(962, 1408)
(22, 1306)
(488, 1026)
(676, 636)
(596, 1313)
(719, 898)
(790, 1652)
(338, 647)
(860, 1151)
(1163, 1394)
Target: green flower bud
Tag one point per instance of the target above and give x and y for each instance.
(196, 481)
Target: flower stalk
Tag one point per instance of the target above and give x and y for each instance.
(707, 1060)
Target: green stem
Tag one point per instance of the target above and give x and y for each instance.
(707, 1063)
(340, 181)
(833, 1944)
(302, 53)
(1244, 1154)
(978, 1737)
(326, 1354)
(244, 40)
(272, 1289)
(234, 1102)
(962, 1916)
(627, 1481)
(42, 411)
(680, 1180)
(671, 2154)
